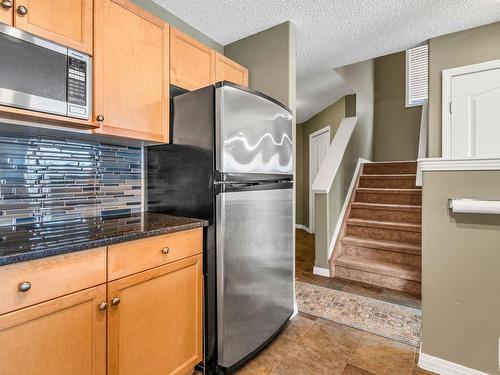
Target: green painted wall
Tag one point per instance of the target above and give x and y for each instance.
(331, 116)
(461, 271)
(397, 128)
(270, 58)
(467, 47)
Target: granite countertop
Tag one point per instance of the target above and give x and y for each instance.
(32, 241)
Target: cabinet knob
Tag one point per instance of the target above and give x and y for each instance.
(24, 286)
(7, 4)
(165, 250)
(100, 118)
(115, 301)
(22, 10)
(103, 306)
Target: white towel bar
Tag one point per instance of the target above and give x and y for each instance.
(472, 206)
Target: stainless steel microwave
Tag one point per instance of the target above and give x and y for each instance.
(43, 76)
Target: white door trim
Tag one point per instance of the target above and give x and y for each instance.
(448, 74)
(321, 131)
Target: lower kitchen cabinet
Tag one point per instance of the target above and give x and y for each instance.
(66, 335)
(155, 320)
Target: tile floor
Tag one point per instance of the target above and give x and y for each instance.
(314, 346)
(311, 345)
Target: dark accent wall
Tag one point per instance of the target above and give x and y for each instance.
(397, 128)
(54, 179)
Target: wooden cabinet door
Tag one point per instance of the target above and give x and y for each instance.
(68, 22)
(131, 71)
(66, 335)
(192, 64)
(6, 12)
(157, 326)
(227, 70)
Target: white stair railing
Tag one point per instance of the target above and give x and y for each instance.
(331, 163)
(422, 141)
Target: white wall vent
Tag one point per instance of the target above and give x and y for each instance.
(417, 75)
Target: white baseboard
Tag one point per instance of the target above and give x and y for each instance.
(443, 367)
(321, 271)
(303, 227)
(344, 207)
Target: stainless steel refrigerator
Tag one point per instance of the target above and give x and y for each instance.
(230, 163)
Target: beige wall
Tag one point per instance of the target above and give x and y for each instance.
(450, 51)
(176, 22)
(269, 56)
(330, 116)
(397, 128)
(461, 271)
(360, 77)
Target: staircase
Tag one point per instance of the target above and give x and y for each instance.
(380, 241)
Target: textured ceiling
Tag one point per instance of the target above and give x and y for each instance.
(333, 33)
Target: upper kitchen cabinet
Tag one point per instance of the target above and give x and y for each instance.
(192, 64)
(6, 11)
(67, 22)
(131, 72)
(227, 70)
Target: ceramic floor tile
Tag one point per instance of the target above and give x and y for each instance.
(303, 359)
(332, 337)
(297, 328)
(353, 370)
(382, 356)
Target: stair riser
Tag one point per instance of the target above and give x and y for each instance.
(387, 183)
(383, 281)
(386, 215)
(396, 168)
(382, 255)
(384, 234)
(388, 198)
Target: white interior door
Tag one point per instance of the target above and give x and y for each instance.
(475, 115)
(318, 147)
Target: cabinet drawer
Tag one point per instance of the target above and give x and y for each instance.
(136, 256)
(50, 278)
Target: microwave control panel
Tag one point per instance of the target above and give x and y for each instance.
(77, 82)
(79, 79)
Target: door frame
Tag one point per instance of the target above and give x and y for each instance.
(448, 75)
(312, 224)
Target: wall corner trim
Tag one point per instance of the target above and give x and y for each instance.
(303, 227)
(321, 271)
(344, 207)
(443, 367)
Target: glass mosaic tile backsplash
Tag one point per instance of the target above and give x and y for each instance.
(52, 179)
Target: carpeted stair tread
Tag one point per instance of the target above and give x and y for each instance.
(403, 167)
(389, 191)
(396, 176)
(391, 207)
(400, 271)
(410, 227)
(396, 246)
